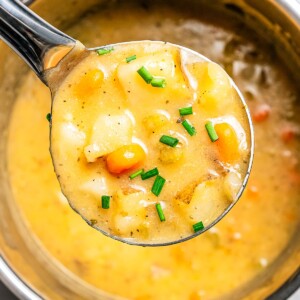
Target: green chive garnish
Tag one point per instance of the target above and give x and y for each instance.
(158, 185)
(149, 174)
(144, 73)
(198, 226)
(130, 58)
(211, 131)
(136, 174)
(160, 212)
(105, 201)
(189, 127)
(168, 140)
(158, 82)
(48, 117)
(186, 111)
(103, 51)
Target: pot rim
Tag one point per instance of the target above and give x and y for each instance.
(288, 288)
(15, 283)
(292, 7)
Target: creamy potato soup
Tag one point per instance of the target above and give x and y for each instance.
(149, 158)
(243, 244)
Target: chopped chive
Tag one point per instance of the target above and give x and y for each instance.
(158, 185)
(184, 111)
(105, 201)
(158, 82)
(198, 226)
(136, 174)
(48, 117)
(144, 73)
(211, 131)
(149, 174)
(168, 140)
(189, 127)
(103, 51)
(130, 58)
(160, 212)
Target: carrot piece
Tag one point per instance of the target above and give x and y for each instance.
(288, 133)
(88, 83)
(227, 143)
(125, 158)
(261, 113)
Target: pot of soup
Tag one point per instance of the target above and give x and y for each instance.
(48, 252)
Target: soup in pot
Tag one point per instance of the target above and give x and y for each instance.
(230, 254)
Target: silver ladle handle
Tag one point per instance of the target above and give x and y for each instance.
(29, 35)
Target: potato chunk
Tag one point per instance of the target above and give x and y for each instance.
(108, 134)
(162, 64)
(95, 186)
(207, 202)
(214, 87)
(232, 185)
(130, 213)
(71, 135)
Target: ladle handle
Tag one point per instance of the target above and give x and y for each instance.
(29, 35)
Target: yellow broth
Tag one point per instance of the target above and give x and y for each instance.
(247, 240)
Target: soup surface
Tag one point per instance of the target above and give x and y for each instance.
(244, 243)
(166, 158)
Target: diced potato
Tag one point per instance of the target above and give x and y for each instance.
(214, 87)
(207, 202)
(130, 213)
(232, 185)
(71, 136)
(162, 64)
(95, 186)
(109, 133)
(70, 133)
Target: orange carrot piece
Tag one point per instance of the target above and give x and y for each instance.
(125, 158)
(288, 133)
(227, 143)
(261, 113)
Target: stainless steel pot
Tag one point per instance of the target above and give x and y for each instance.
(278, 21)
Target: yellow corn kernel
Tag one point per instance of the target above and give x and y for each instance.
(88, 83)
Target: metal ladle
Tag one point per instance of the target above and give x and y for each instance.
(34, 39)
